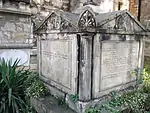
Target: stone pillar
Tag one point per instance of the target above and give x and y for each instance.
(1, 3)
(141, 55)
(85, 68)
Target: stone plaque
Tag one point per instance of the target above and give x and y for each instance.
(118, 61)
(59, 63)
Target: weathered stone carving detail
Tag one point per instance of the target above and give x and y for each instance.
(64, 24)
(54, 22)
(118, 22)
(87, 20)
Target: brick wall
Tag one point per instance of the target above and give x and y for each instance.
(145, 13)
(145, 18)
(145, 9)
(133, 7)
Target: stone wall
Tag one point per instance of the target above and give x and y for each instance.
(144, 14)
(144, 18)
(16, 35)
(71, 5)
(147, 48)
(15, 28)
(106, 5)
(41, 8)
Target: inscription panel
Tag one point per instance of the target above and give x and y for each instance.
(118, 61)
(59, 64)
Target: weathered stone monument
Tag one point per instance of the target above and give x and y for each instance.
(89, 53)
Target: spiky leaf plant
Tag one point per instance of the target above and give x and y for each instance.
(12, 87)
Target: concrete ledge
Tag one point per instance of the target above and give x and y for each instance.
(15, 11)
(16, 46)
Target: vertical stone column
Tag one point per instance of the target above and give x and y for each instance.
(141, 55)
(1, 3)
(85, 68)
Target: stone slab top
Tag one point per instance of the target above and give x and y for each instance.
(14, 46)
(15, 11)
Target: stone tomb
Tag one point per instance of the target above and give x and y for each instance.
(89, 54)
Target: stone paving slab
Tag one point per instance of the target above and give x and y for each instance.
(50, 105)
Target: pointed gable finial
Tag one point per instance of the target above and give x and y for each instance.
(89, 2)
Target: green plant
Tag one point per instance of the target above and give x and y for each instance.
(138, 73)
(36, 86)
(135, 100)
(130, 102)
(113, 105)
(110, 106)
(92, 110)
(115, 101)
(146, 80)
(74, 98)
(37, 89)
(12, 87)
(147, 64)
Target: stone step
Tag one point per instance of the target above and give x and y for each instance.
(50, 104)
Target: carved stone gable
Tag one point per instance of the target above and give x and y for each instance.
(87, 20)
(54, 22)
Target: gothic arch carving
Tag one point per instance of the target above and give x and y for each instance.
(87, 20)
